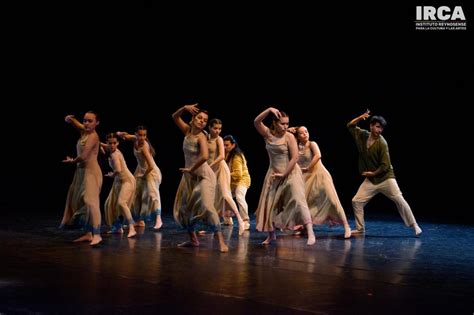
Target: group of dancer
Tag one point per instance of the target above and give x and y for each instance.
(298, 191)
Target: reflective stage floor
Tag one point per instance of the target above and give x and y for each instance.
(385, 271)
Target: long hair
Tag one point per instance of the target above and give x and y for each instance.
(235, 150)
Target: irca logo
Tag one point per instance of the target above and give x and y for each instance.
(443, 13)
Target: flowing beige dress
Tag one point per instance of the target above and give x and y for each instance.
(147, 200)
(85, 186)
(194, 202)
(282, 201)
(321, 195)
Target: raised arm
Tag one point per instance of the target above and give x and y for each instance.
(258, 121)
(184, 127)
(354, 121)
(70, 119)
(103, 147)
(126, 136)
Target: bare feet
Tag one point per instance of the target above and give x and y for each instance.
(247, 225)
(271, 237)
(311, 237)
(241, 227)
(347, 231)
(84, 238)
(228, 221)
(223, 247)
(417, 229)
(96, 239)
(131, 233)
(158, 224)
(188, 244)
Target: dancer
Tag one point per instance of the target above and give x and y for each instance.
(239, 175)
(83, 202)
(194, 200)
(282, 201)
(121, 194)
(321, 195)
(216, 161)
(375, 166)
(147, 200)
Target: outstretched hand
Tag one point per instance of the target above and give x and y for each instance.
(68, 118)
(68, 159)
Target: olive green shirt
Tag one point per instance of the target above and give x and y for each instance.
(374, 157)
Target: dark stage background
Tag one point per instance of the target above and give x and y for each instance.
(132, 74)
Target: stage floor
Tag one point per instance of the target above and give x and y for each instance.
(385, 271)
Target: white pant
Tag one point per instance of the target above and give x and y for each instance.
(239, 194)
(389, 188)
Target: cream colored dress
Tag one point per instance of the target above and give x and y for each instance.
(85, 185)
(147, 201)
(223, 192)
(321, 195)
(122, 192)
(194, 202)
(282, 201)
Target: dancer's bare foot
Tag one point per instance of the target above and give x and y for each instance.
(140, 223)
(228, 221)
(247, 225)
(131, 233)
(271, 237)
(311, 240)
(347, 232)
(417, 230)
(96, 239)
(223, 247)
(241, 227)
(311, 236)
(189, 244)
(158, 224)
(84, 238)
